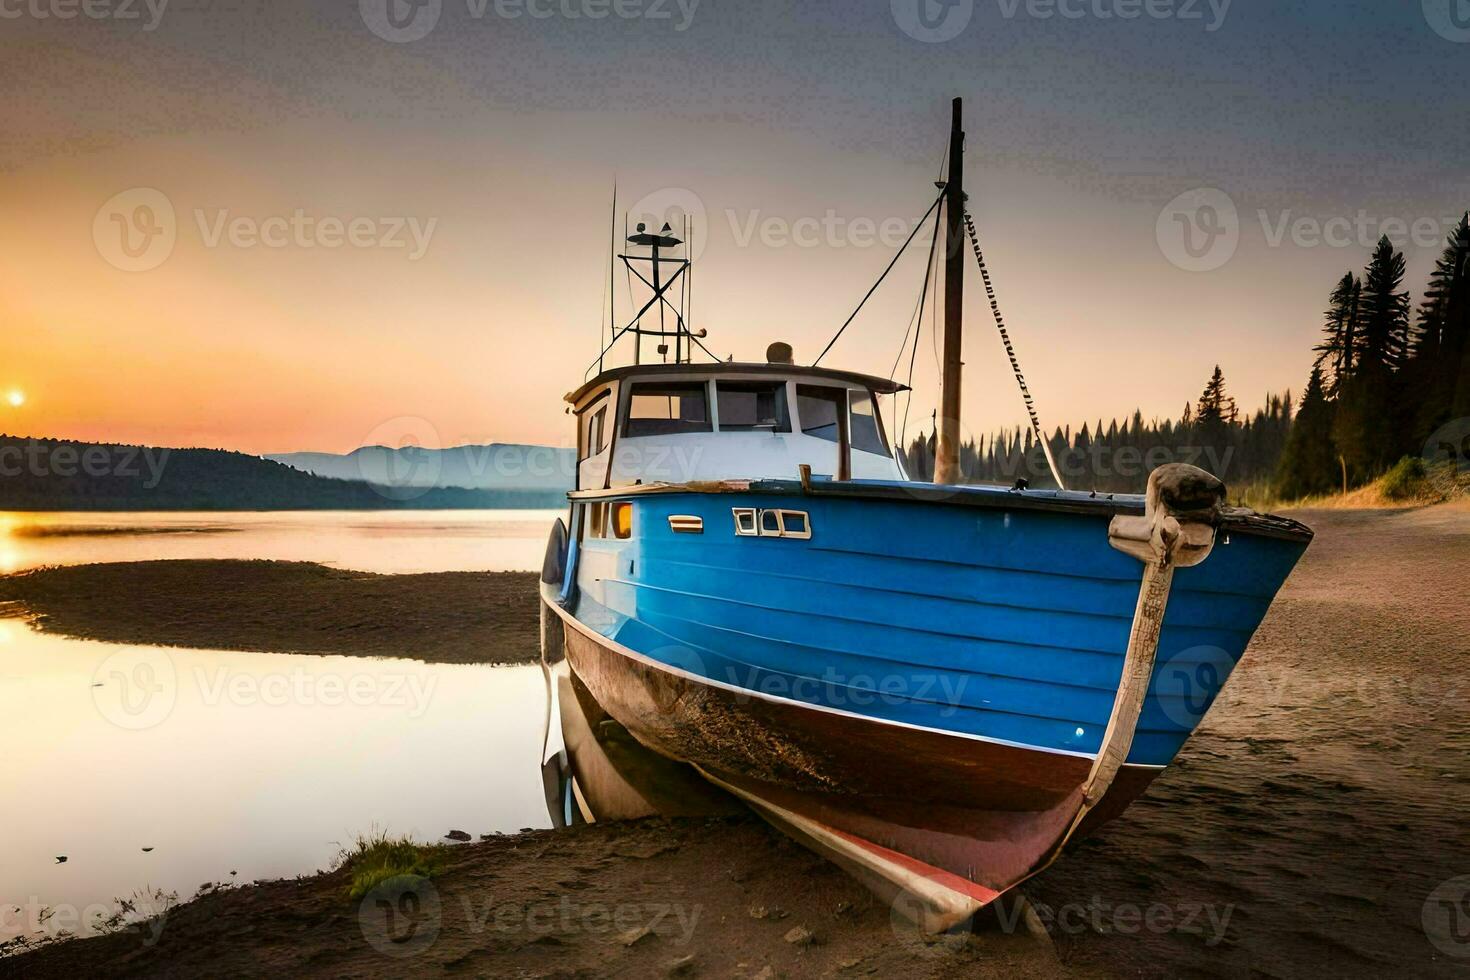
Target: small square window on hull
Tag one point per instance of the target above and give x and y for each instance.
(753, 523)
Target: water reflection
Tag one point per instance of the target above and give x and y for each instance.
(370, 541)
(259, 764)
(594, 769)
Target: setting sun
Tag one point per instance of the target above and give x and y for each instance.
(16, 398)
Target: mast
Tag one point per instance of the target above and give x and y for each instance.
(947, 453)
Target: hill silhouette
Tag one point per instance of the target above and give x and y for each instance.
(496, 466)
(55, 474)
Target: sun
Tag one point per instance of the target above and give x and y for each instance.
(16, 398)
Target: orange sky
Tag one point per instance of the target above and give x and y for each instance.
(233, 343)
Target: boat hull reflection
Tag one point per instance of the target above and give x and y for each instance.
(603, 773)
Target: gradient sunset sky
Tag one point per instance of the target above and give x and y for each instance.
(498, 137)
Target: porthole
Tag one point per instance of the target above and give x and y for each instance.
(745, 521)
(795, 524)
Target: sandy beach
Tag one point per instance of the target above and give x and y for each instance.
(1314, 825)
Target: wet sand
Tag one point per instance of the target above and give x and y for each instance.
(1302, 832)
(288, 607)
(1325, 796)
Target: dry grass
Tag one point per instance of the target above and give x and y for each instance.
(1401, 488)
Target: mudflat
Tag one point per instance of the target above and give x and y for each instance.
(288, 607)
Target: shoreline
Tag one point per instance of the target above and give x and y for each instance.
(650, 898)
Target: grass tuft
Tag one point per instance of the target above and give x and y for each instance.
(376, 857)
(1405, 481)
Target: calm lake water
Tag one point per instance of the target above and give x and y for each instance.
(257, 764)
(371, 541)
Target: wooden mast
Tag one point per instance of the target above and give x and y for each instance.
(947, 453)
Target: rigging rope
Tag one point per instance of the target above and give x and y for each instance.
(919, 224)
(1005, 338)
(929, 276)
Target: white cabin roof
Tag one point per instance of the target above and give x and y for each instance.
(796, 372)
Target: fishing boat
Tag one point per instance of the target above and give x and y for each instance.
(938, 686)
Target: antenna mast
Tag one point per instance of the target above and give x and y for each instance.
(658, 262)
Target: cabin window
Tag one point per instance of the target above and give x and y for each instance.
(821, 410)
(867, 425)
(595, 440)
(667, 409)
(752, 407)
(620, 519)
(594, 430)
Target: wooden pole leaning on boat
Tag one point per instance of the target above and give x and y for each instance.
(947, 450)
(1177, 530)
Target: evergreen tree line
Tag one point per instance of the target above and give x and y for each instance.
(1117, 457)
(1384, 382)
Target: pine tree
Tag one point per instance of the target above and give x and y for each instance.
(1440, 345)
(1384, 310)
(1338, 348)
(1215, 420)
(1308, 462)
(1216, 408)
(1369, 420)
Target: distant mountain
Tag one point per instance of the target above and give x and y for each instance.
(53, 474)
(497, 466)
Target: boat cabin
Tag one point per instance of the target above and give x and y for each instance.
(684, 423)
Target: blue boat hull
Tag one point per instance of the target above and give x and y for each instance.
(929, 676)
